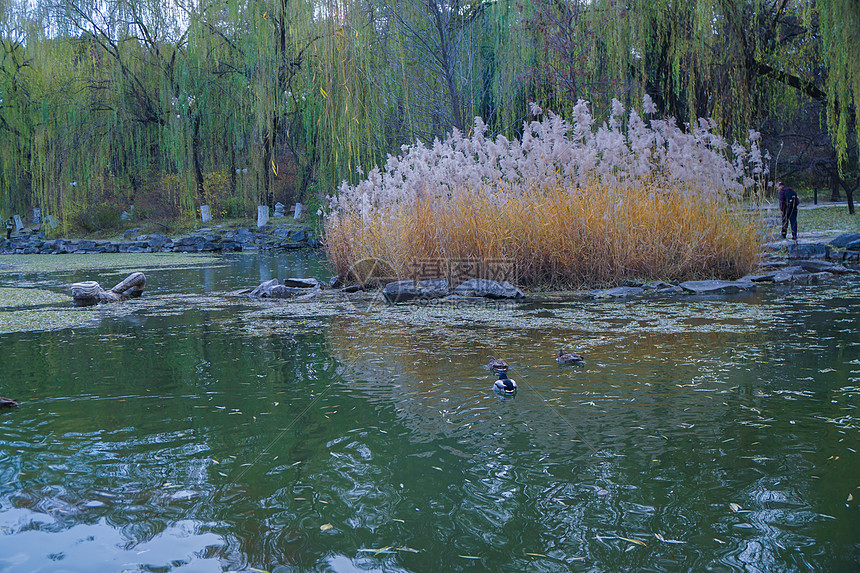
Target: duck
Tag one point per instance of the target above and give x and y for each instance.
(497, 365)
(566, 358)
(505, 385)
(7, 402)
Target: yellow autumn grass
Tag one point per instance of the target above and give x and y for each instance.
(558, 238)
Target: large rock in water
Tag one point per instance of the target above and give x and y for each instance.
(272, 289)
(717, 287)
(824, 267)
(617, 292)
(404, 291)
(488, 289)
(301, 282)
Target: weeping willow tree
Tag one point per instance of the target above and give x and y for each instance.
(840, 30)
(206, 101)
(102, 98)
(397, 71)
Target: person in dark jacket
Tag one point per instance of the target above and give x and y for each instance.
(9, 226)
(788, 202)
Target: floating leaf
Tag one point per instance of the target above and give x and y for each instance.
(720, 541)
(636, 541)
(258, 570)
(664, 540)
(537, 555)
(735, 507)
(850, 497)
(408, 549)
(468, 556)
(326, 526)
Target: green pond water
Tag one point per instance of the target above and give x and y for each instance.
(191, 431)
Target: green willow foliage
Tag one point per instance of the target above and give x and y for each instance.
(101, 100)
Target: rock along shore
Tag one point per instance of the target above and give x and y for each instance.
(201, 241)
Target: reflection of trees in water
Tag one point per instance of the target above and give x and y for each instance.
(436, 377)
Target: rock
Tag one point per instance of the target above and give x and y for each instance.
(435, 288)
(335, 282)
(301, 283)
(766, 277)
(283, 232)
(488, 289)
(155, 241)
(264, 289)
(130, 233)
(845, 239)
(816, 278)
(617, 292)
(808, 251)
(403, 291)
(717, 287)
(271, 289)
(787, 276)
(302, 235)
(657, 285)
(825, 267)
(853, 246)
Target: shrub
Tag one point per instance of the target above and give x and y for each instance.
(92, 218)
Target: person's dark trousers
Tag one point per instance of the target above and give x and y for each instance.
(790, 218)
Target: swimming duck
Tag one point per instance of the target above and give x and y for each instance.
(565, 358)
(505, 385)
(7, 402)
(497, 365)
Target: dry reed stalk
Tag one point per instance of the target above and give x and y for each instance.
(557, 237)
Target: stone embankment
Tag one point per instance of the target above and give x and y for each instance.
(201, 241)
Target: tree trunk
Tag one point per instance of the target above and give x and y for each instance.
(849, 192)
(834, 185)
(195, 158)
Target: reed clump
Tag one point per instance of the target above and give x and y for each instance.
(563, 207)
(593, 236)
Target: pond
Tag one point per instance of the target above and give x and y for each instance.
(191, 431)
